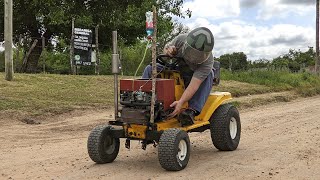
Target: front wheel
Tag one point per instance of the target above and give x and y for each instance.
(225, 128)
(102, 147)
(174, 149)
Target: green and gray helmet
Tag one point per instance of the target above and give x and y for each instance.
(198, 45)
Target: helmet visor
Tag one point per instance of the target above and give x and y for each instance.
(193, 55)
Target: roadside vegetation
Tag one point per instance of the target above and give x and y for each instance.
(39, 94)
(305, 84)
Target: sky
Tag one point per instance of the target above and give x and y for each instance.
(262, 29)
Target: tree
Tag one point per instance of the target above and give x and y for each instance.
(178, 28)
(260, 63)
(294, 60)
(234, 62)
(49, 18)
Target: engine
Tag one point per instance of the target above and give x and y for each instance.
(135, 98)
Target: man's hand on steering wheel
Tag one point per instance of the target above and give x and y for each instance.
(170, 51)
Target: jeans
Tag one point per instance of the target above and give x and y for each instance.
(200, 97)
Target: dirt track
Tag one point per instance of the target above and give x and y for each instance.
(280, 141)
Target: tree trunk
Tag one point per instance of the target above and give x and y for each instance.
(33, 59)
(26, 56)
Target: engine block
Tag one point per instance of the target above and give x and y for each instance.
(135, 97)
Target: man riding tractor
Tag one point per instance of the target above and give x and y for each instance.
(186, 79)
(196, 68)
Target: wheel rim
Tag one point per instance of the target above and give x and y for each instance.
(183, 149)
(233, 128)
(109, 145)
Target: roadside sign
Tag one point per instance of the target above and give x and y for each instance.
(82, 46)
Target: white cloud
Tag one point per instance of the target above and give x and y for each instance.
(258, 41)
(213, 9)
(282, 9)
(197, 22)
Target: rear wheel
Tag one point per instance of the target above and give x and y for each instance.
(225, 128)
(174, 149)
(102, 147)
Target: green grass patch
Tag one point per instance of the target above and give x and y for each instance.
(238, 89)
(305, 84)
(42, 93)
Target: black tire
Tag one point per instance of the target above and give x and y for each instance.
(171, 156)
(222, 137)
(102, 147)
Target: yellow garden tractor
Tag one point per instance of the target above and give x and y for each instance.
(133, 120)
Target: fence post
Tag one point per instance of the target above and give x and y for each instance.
(72, 67)
(43, 51)
(97, 50)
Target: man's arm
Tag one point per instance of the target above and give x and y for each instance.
(186, 96)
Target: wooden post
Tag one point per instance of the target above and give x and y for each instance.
(317, 37)
(97, 51)
(8, 40)
(43, 51)
(154, 65)
(72, 66)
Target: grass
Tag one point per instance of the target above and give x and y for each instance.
(42, 93)
(238, 89)
(305, 84)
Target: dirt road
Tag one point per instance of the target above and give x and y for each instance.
(279, 141)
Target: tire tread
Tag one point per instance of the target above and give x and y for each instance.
(219, 128)
(166, 150)
(94, 143)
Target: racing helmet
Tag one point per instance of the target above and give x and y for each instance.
(198, 45)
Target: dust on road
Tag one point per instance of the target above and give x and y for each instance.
(279, 141)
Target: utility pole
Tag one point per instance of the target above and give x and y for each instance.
(8, 39)
(317, 61)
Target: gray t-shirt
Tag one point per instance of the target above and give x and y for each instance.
(200, 71)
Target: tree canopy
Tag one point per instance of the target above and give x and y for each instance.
(294, 61)
(233, 62)
(50, 18)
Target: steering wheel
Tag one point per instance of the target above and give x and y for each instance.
(168, 61)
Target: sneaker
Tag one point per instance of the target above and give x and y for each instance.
(186, 117)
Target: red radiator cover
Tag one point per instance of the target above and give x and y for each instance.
(164, 89)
